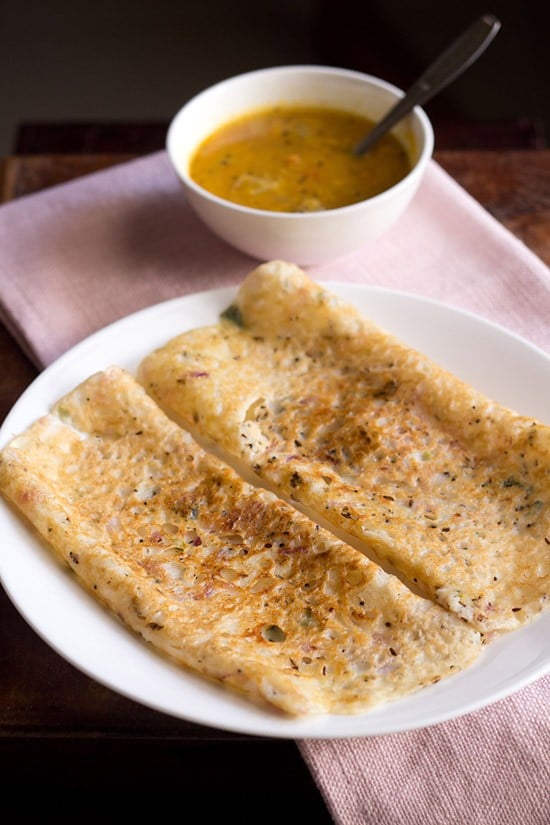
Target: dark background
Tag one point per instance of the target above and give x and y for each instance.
(140, 60)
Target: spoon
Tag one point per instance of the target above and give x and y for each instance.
(447, 67)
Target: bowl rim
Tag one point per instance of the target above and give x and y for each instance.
(312, 68)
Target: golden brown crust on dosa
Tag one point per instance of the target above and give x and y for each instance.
(415, 467)
(225, 579)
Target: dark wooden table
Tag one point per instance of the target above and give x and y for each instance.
(63, 733)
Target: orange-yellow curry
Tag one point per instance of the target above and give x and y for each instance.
(297, 159)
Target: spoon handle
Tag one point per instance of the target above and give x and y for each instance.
(447, 67)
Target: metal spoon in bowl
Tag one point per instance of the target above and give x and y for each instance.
(447, 67)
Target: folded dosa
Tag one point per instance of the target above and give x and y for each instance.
(402, 459)
(223, 578)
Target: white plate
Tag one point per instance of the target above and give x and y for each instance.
(495, 361)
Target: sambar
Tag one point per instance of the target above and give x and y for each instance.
(297, 159)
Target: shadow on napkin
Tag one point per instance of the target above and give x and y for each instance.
(83, 254)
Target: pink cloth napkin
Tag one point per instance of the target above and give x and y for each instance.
(78, 256)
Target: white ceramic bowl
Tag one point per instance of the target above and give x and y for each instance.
(305, 237)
